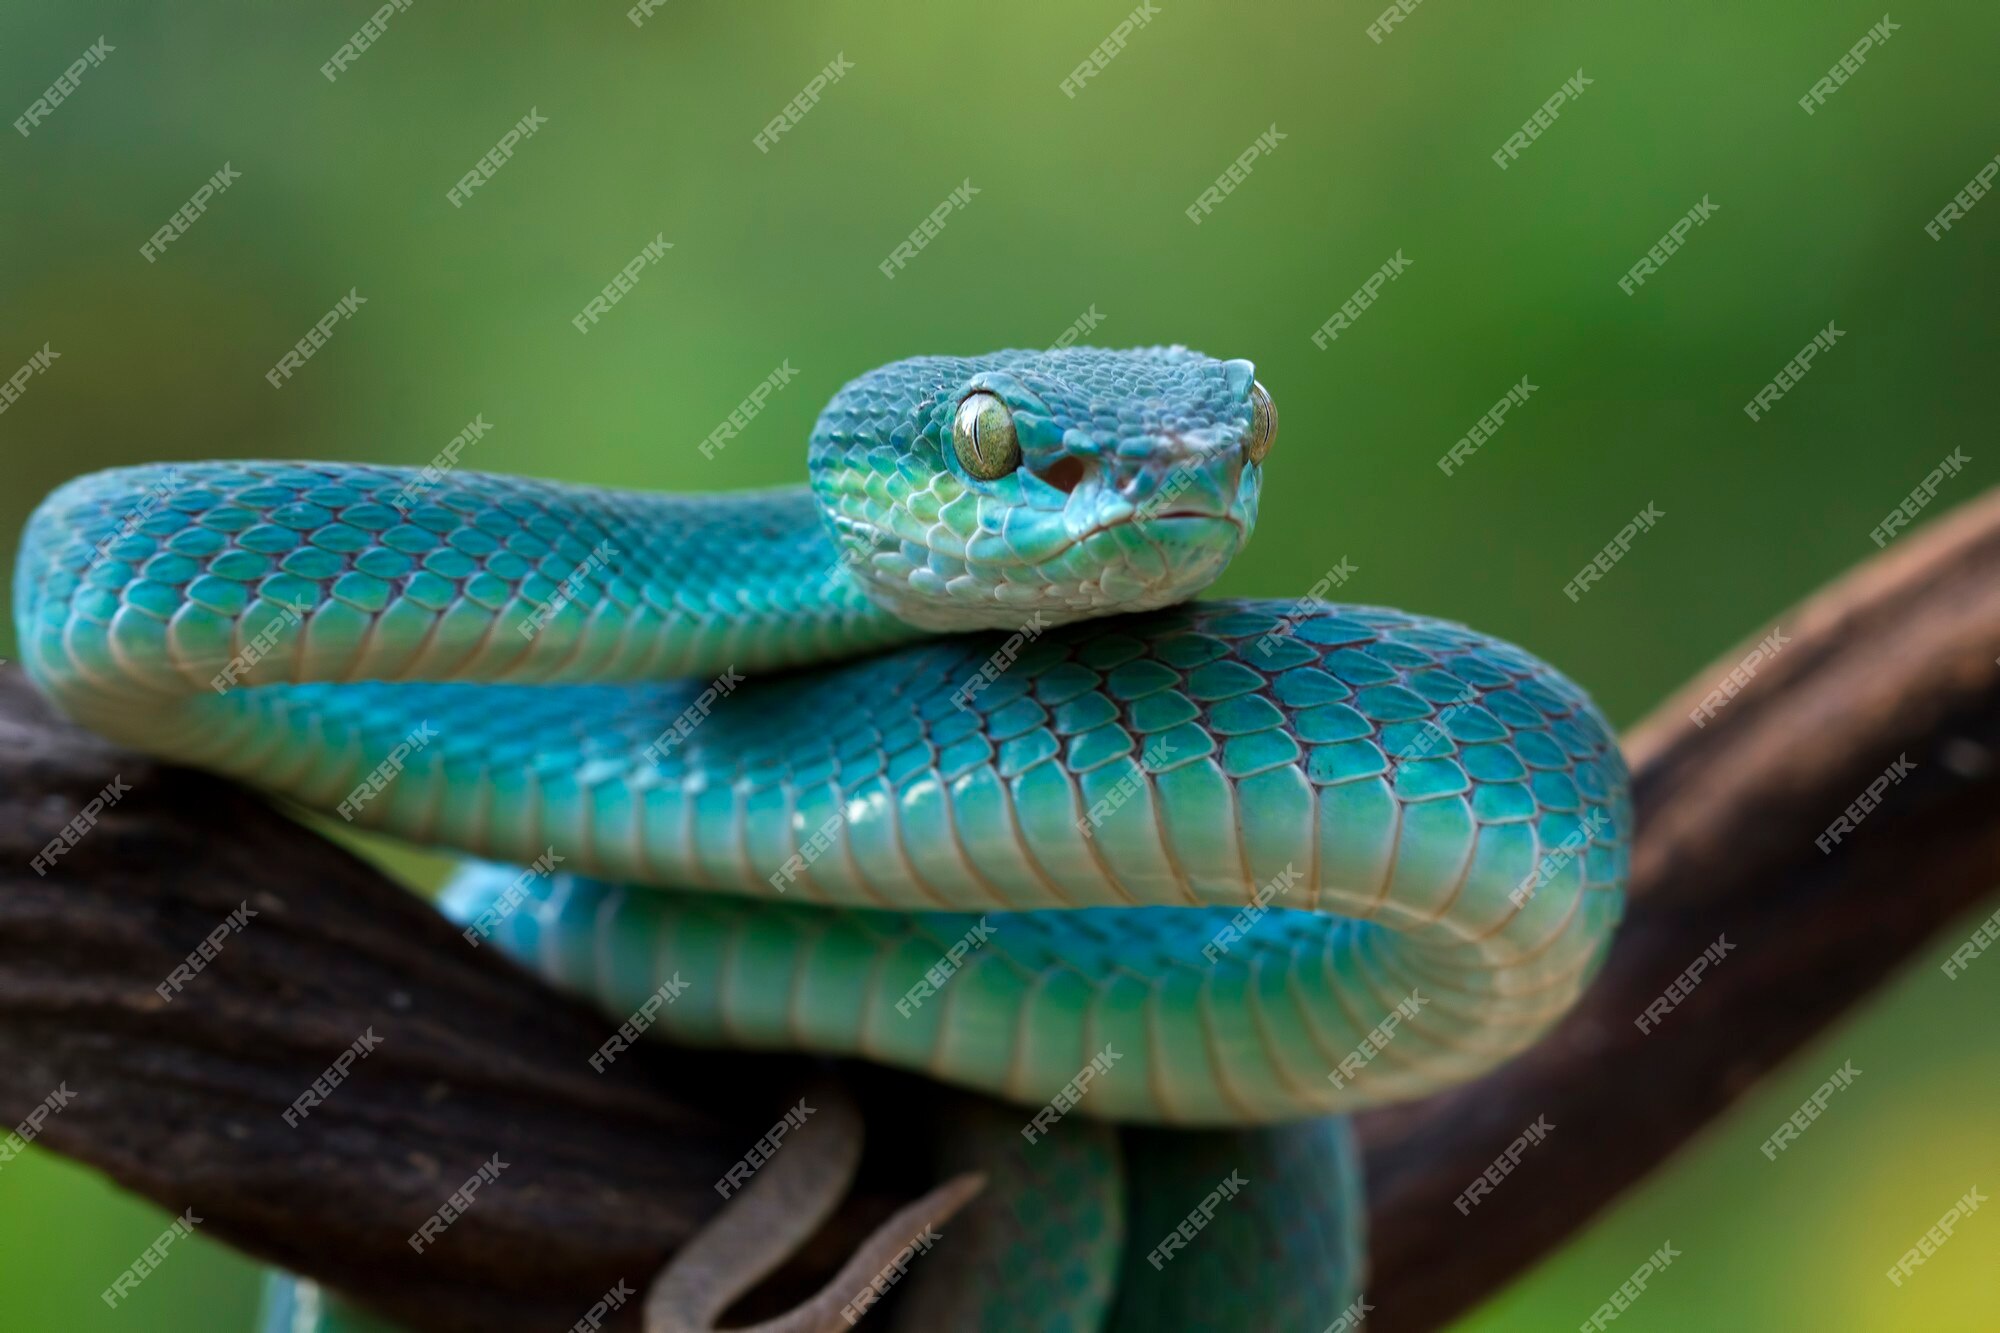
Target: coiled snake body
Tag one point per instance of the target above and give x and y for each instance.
(1225, 870)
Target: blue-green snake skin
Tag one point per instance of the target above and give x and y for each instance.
(1281, 861)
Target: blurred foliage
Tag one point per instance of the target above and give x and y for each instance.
(1080, 207)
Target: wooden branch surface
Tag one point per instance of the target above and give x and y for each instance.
(181, 1095)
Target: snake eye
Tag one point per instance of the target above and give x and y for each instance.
(983, 435)
(1263, 424)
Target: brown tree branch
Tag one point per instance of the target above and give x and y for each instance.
(182, 1098)
(178, 1085)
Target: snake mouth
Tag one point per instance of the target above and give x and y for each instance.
(1179, 517)
(1183, 519)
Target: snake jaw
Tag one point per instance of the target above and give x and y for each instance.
(1129, 564)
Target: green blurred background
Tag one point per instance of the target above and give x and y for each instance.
(1080, 207)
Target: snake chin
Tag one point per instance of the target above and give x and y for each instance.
(1125, 566)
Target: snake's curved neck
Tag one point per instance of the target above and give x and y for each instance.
(142, 586)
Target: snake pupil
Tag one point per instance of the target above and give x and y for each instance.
(983, 436)
(1263, 424)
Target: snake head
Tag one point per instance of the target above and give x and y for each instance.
(976, 492)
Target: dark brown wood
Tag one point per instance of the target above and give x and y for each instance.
(1896, 660)
(182, 1100)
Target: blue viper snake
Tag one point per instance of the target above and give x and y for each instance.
(929, 762)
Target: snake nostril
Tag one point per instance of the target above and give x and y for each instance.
(1063, 474)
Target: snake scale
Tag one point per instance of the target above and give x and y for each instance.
(930, 762)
